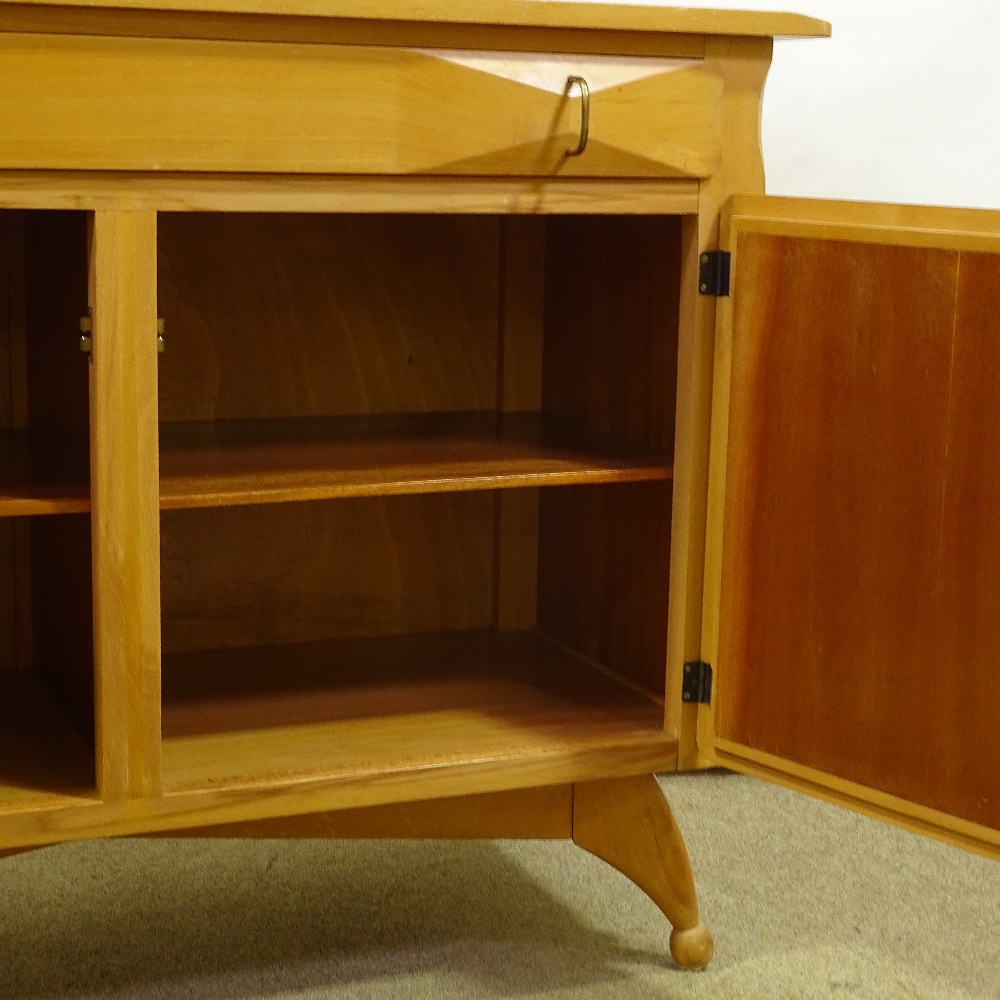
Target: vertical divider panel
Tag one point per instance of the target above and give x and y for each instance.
(125, 503)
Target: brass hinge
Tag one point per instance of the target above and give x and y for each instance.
(87, 335)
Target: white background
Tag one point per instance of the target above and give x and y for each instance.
(901, 104)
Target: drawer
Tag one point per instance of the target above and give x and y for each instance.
(171, 104)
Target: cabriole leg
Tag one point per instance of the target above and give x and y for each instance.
(628, 823)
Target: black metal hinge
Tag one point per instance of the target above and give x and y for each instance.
(697, 685)
(713, 272)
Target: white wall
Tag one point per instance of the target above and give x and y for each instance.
(901, 104)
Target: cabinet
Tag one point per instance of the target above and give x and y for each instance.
(450, 477)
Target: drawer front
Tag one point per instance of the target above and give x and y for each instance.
(69, 102)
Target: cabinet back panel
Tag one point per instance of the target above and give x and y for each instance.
(611, 318)
(56, 278)
(860, 616)
(305, 572)
(62, 608)
(603, 559)
(43, 386)
(318, 315)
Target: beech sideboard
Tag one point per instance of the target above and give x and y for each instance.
(415, 420)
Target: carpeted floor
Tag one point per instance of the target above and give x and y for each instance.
(805, 900)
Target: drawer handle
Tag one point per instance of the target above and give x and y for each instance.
(584, 113)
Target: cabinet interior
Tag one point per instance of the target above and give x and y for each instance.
(46, 606)
(416, 487)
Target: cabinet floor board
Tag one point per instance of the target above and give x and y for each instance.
(360, 708)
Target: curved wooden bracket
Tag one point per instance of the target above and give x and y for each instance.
(628, 823)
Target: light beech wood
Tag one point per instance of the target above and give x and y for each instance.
(888, 808)
(628, 823)
(335, 109)
(506, 13)
(125, 510)
(310, 193)
(149, 23)
(744, 63)
(62, 819)
(522, 814)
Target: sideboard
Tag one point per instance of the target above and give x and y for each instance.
(416, 421)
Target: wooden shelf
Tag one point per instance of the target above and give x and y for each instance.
(43, 762)
(39, 476)
(398, 709)
(227, 463)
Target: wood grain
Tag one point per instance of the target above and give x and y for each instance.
(271, 461)
(522, 814)
(309, 315)
(610, 360)
(519, 389)
(604, 573)
(744, 63)
(317, 571)
(332, 109)
(376, 709)
(496, 12)
(146, 23)
(125, 512)
(857, 554)
(628, 823)
(888, 808)
(174, 192)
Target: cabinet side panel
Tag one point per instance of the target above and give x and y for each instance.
(610, 360)
(604, 572)
(611, 315)
(8, 612)
(314, 315)
(310, 572)
(859, 602)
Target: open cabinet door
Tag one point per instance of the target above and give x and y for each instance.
(852, 608)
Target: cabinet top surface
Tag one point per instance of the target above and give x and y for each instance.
(484, 12)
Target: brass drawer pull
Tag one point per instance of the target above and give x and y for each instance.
(584, 113)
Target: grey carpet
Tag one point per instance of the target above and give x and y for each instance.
(806, 901)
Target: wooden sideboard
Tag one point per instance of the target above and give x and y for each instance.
(417, 422)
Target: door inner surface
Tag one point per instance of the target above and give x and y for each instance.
(857, 590)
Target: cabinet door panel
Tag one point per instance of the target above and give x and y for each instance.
(853, 585)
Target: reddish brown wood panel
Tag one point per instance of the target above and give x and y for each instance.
(604, 565)
(219, 463)
(62, 605)
(860, 593)
(309, 572)
(965, 727)
(317, 315)
(611, 314)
